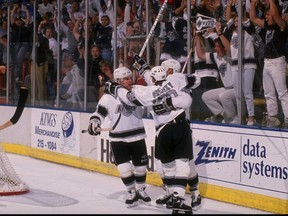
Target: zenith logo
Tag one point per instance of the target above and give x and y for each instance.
(213, 154)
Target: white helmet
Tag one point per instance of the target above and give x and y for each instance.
(122, 72)
(171, 63)
(158, 73)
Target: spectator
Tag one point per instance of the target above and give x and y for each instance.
(52, 64)
(69, 42)
(79, 33)
(274, 71)
(221, 101)
(3, 48)
(41, 54)
(137, 28)
(45, 7)
(103, 38)
(95, 25)
(21, 39)
(75, 11)
(120, 31)
(3, 27)
(106, 74)
(104, 7)
(249, 65)
(283, 10)
(209, 80)
(258, 43)
(3, 41)
(175, 45)
(66, 78)
(47, 21)
(93, 73)
(76, 85)
(131, 45)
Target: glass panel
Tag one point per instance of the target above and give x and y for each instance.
(64, 51)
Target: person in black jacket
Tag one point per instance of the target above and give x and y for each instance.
(43, 53)
(103, 38)
(93, 73)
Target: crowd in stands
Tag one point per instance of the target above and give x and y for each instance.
(265, 57)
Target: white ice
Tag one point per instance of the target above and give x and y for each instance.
(60, 189)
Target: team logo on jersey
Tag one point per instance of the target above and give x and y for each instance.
(234, 42)
(223, 69)
(125, 109)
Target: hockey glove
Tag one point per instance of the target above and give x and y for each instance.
(140, 64)
(94, 128)
(111, 87)
(164, 106)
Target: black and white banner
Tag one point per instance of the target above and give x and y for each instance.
(204, 22)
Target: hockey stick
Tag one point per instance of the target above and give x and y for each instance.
(20, 107)
(188, 57)
(153, 27)
(190, 53)
(102, 129)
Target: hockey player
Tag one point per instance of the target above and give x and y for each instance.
(167, 100)
(172, 66)
(127, 138)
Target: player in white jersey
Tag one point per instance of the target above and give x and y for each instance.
(127, 138)
(167, 101)
(172, 66)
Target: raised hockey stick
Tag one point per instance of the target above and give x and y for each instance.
(20, 107)
(102, 129)
(153, 27)
(190, 52)
(188, 57)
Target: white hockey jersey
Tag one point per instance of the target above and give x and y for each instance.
(150, 95)
(249, 60)
(224, 68)
(126, 121)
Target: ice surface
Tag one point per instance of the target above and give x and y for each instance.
(60, 189)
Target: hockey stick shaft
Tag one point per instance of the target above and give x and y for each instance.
(188, 57)
(102, 129)
(153, 27)
(190, 53)
(20, 107)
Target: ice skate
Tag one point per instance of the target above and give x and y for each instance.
(165, 200)
(195, 200)
(143, 196)
(132, 199)
(179, 206)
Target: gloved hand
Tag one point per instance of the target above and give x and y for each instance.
(94, 128)
(111, 87)
(163, 106)
(140, 64)
(193, 81)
